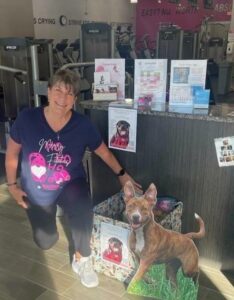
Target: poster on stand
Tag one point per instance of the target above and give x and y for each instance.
(116, 69)
(187, 77)
(225, 151)
(122, 128)
(150, 82)
(114, 245)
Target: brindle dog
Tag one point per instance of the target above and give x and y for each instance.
(151, 243)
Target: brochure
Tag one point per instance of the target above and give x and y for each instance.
(150, 82)
(116, 69)
(201, 99)
(122, 128)
(187, 77)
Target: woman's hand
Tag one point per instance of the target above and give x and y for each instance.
(126, 177)
(18, 195)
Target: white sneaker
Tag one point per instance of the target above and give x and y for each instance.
(84, 268)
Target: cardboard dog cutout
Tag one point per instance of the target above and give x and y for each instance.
(167, 260)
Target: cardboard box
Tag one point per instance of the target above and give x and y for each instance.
(109, 226)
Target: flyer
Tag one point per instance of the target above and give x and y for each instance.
(122, 128)
(114, 245)
(187, 76)
(201, 99)
(150, 82)
(116, 70)
(225, 151)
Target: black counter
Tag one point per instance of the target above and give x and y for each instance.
(219, 112)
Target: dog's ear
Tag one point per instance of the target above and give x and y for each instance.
(151, 194)
(129, 191)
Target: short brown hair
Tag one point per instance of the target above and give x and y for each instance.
(67, 77)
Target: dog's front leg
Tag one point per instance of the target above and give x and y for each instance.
(132, 249)
(143, 268)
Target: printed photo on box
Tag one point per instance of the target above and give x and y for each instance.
(225, 151)
(114, 245)
(122, 128)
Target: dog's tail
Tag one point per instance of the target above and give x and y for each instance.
(201, 233)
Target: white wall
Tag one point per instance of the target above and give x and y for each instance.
(16, 18)
(110, 10)
(77, 11)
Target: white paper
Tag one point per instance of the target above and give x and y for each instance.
(150, 81)
(114, 245)
(225, 151)
(122, 128)
(186, 76)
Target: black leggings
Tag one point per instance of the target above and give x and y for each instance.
(77, 206)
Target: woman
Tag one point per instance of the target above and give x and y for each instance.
(52, 141)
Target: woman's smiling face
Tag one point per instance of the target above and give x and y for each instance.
(61, 98)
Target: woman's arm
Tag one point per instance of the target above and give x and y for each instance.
(11, 164)
(108, 157)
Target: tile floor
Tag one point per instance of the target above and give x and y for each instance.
(28, 273)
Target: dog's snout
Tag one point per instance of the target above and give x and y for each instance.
(135, 218)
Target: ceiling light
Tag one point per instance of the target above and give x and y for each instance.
(133, 1)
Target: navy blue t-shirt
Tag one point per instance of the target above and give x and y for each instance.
(51, 159)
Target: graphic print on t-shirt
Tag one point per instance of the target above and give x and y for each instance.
(49, 165)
